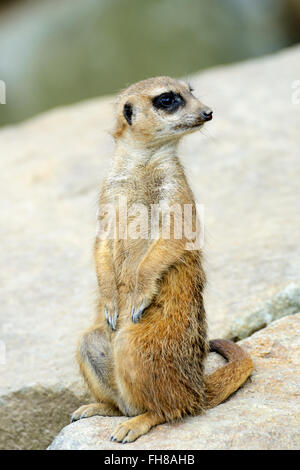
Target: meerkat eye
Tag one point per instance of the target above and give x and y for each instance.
(166, 99)
(169, 101)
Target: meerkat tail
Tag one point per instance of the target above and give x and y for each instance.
(227, 379)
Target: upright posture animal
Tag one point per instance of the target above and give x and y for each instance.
(144, 356)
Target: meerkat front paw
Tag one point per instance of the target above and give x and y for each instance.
(138, 308)
(141, 299)
(111, 314)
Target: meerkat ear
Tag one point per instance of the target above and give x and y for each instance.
(128, 112)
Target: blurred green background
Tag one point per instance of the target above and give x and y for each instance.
(56, 52)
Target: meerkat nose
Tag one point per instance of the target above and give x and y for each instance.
(207, 114)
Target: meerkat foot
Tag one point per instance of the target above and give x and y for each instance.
(133, 428)
(95, 409)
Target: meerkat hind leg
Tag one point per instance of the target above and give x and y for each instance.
(94, 356)
(95, 409)
(133, 428)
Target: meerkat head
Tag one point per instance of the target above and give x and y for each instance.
(158, 110)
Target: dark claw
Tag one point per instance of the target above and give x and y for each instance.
(111, 321)
(110, 324)
(136, 315)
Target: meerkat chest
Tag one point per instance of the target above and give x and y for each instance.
(142, 187)
(135, 196)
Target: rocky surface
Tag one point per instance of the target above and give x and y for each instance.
(243, 167)
(287, 302)
(263, 414)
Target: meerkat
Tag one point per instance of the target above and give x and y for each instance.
(144, 355)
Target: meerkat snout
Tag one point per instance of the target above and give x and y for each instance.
(207, 114)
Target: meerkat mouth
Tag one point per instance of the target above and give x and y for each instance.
(186, 127)
(198, 124)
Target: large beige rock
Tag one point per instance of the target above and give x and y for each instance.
(263, 414)
(287, 302)
(244, 168)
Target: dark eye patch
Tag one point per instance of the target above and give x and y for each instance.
(168, 101)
